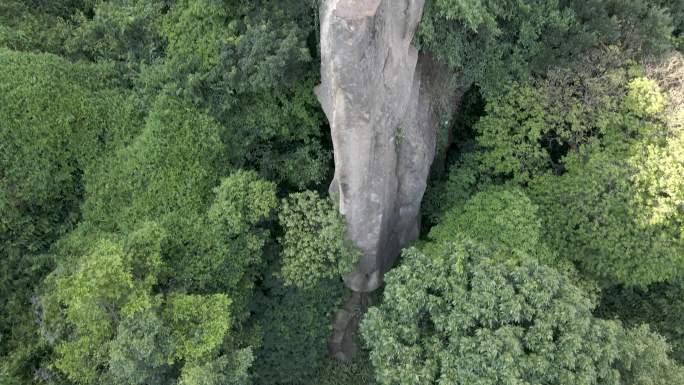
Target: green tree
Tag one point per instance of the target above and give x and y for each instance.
(241, 46)
(231, 370)
(501, 217)
(280, 132)
(250, 65)
(168, 174)
(170, 167)
(108, 322)
(462, 317)
(62, 8)
(237, 218)
(27, 27)
(661, 306)
(645, 359)
(58, 120)
(491, 43)
(676, 8)
(530, 128)
(125, 31)
(140, 353)
(520, 118)
(314, 245)
(198, 323)
(639, 27)
(464, 178)
(93, 296)
(301, 291)
(601, 153)
(619, 213)
(295, 325)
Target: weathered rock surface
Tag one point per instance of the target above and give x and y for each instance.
(381, 98)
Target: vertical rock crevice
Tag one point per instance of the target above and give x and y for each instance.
(383, 101)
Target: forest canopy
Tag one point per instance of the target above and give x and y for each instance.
(165, 215)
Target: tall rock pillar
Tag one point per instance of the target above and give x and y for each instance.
(379, 96)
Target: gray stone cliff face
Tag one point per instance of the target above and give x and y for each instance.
(381, 98)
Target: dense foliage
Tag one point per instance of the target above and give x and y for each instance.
(503, 217)
(493, 42)
(109, 325)
(163, 221)
(603, 161)
(472, 320)
(313, 244)
(301, 292)
(563, 190)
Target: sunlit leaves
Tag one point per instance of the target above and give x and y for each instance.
(314, 245)
(198, 323)
(463, 317)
